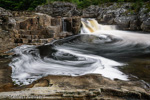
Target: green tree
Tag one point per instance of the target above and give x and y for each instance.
(31, 4)
(21, 4)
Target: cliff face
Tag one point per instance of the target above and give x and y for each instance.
(17, 28)
(42, 28)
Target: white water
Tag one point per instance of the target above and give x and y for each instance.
(96, 51)
(127, 37)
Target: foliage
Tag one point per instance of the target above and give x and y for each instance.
(148, 7)
(20, 4)
(86, 3)
(31, 4)
(137, 5)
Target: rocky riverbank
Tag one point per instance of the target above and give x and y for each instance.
(87, 87)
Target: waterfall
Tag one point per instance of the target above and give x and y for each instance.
(64, 26)
(91, 25)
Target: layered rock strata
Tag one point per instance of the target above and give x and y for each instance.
(19, 28)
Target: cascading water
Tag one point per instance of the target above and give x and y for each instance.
(91, 25)
(98, 49)
(64, 25)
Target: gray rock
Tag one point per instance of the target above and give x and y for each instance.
(135, 25)
(47, 9)
(146, 25)
(126, 5)
(91, 11)
(124, 21)
(142, 15)
(108, 14)
(4, 12)
(64, 9)
(149, 14)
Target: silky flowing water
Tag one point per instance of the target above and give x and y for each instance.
(98, 49)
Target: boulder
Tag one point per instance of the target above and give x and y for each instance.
(124, 21)
(36, 22)
(7, 22)
(123, 15)
(47, 9)
(107, 14)
(144, 17)
(91, 11)
(64, 9)
(106, 18)
(4, 12)
(146, 25)
(135, 25)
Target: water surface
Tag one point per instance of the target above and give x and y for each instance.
(98, 49)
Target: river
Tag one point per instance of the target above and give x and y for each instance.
(98, 49)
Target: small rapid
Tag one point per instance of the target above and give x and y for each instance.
(99, 49)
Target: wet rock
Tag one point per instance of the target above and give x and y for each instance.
(72, 24)
(42, 83)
